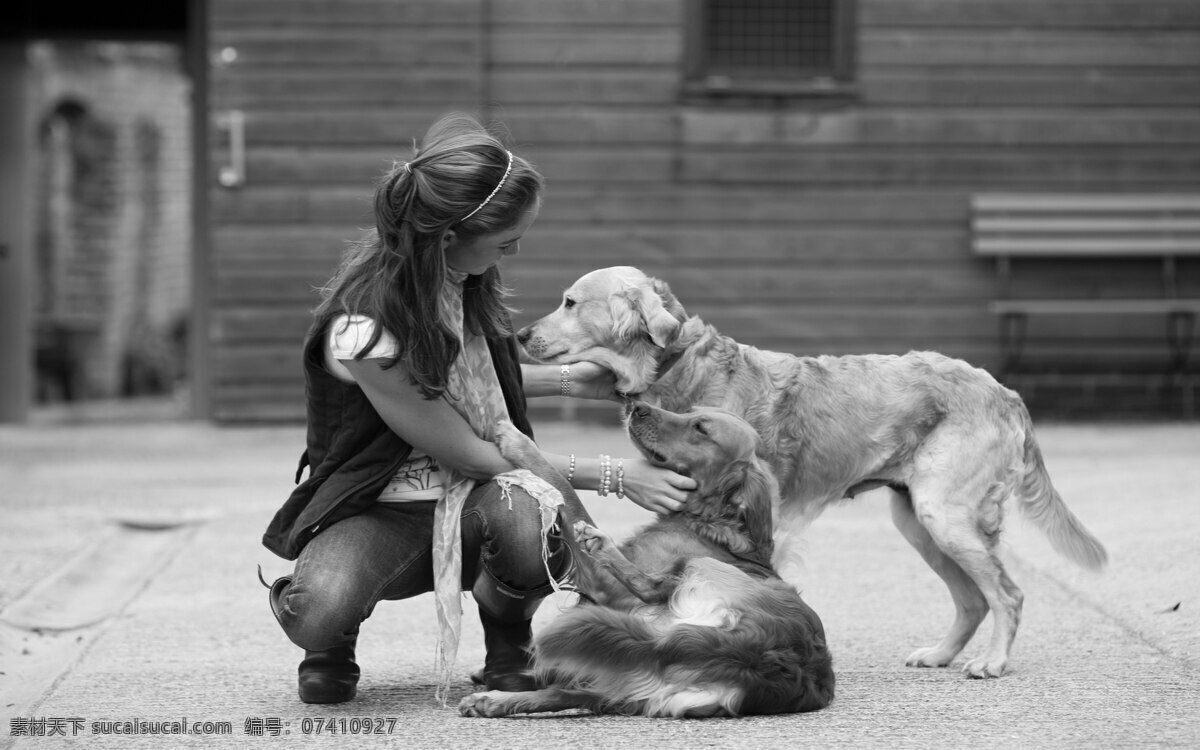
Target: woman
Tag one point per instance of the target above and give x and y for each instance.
(409, 363)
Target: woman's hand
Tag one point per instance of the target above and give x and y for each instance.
(590, 380)
(654, 488)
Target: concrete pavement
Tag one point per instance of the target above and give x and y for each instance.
(128, 594)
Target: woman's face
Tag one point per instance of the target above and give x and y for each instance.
(477, 254)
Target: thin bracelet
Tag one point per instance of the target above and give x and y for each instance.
(621, 478)
(571, 469)
(605, 475)
(564, 380)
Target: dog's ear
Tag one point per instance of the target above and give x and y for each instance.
(639, 310)
(750, 488)
(626, 322)
(669, 301)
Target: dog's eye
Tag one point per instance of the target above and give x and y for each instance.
(700, 428)
(568, 302)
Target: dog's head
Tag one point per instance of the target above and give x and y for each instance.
(718, 450)
(617, 317)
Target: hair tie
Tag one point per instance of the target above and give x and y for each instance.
(491, 195)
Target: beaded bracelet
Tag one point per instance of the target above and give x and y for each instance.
(605, 475)
(621, 478)
(564, 380)
(571, 468)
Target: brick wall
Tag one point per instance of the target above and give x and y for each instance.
(113, 234)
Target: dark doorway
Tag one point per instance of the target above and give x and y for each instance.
(113, 106)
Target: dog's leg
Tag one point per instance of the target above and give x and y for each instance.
(965, 532)
(519, 450)
(604, 552)
(496, 703)
(969, 605)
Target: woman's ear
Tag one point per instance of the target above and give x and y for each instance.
(448, 239)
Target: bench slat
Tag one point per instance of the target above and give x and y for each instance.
(1086, 246)
(1090, 225)
(1094, 306)
(1085, 203)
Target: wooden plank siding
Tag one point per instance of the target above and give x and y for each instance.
(799, 225)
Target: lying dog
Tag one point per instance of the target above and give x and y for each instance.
(952, 442)
(688, 618)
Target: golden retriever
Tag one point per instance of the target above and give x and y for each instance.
(686, 618)
(951, 442)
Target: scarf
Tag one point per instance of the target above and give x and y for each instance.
(473, 390)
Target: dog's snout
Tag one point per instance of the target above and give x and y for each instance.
(640, 410)
(524, 334)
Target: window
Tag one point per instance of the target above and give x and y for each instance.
(770, 47)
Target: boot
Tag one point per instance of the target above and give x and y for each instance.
(508, 665)
(329, 676)
(507, 618)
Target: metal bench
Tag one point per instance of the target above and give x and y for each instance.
(1007, 227)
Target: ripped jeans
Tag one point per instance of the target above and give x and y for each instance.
(386, 552)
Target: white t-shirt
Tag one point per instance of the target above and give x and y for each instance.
(419, 478)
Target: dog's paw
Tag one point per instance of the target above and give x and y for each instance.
(591, 540)
(487, 705)
(930, 656)
(985, 667)
(514, 445)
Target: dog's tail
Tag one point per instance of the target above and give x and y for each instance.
(605, 652)
(629, 666)
(1042, 504)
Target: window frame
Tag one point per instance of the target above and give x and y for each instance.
(701, 82)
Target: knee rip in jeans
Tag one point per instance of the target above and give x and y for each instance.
(553, 560)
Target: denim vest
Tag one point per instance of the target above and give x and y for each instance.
(351, 452)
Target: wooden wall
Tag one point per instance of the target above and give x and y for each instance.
(799, 226)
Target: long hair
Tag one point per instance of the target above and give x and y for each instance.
(395, 273)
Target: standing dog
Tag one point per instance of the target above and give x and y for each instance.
(687, 617)
(952, 442)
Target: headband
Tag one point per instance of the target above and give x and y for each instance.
(492, 194)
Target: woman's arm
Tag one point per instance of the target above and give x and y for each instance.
(432, 426)
(652, 487)
(583, 380)
(435, 428)
(540, 380)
